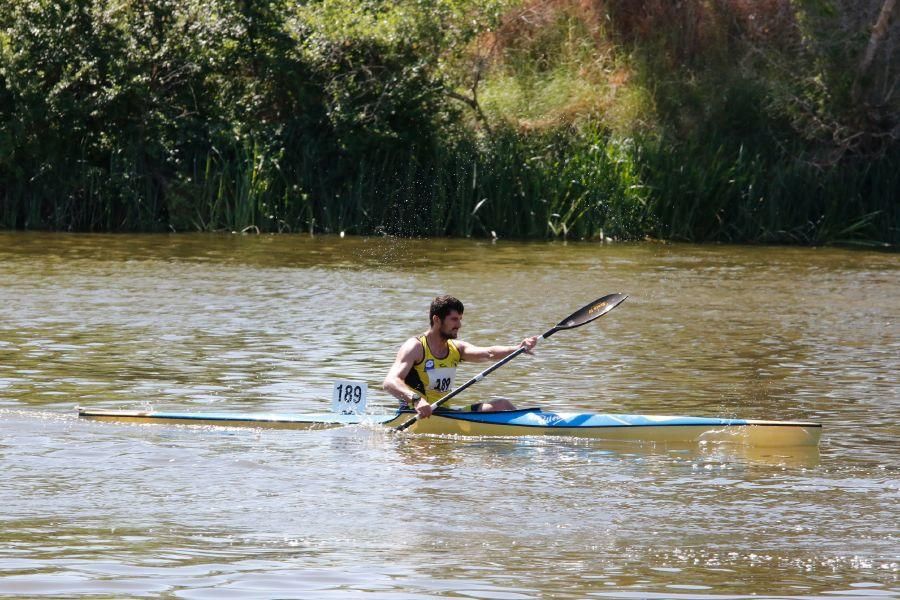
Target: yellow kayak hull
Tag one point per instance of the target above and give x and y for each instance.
(753, 433)
(517, 423)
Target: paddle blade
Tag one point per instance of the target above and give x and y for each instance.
(594, 310)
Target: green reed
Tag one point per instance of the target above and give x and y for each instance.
(568, 185)
(722, 191)
(277, 117)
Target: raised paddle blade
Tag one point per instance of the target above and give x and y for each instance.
(594, 310)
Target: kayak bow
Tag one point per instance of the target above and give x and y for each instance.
(525, 422)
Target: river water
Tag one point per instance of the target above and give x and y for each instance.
(222, 322)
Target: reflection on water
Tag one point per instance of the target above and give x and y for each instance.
(266, 323)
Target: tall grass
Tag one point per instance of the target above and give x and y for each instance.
(720, 191)
(565, 185)
(597, 120)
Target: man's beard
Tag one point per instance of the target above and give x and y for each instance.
(449, 334)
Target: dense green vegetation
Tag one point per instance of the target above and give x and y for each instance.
(706, 120)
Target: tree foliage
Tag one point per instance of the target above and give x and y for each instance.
(524, 117)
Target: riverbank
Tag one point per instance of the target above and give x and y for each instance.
(530, 120)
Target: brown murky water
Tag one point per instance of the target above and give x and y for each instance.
(203, 322)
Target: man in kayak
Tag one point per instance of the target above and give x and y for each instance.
(425, 366)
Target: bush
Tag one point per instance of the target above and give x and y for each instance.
(698, 120)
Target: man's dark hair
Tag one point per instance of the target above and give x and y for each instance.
(442, 306)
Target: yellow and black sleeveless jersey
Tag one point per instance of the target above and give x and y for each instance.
(433, 377)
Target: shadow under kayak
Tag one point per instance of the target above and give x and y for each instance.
(525, 422)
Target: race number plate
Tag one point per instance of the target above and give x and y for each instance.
(349, 397)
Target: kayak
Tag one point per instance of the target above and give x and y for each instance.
(516, 423)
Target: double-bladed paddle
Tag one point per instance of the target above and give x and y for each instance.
(585, 315)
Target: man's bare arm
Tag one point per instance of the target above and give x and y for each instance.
(394, 384)
(471, 353)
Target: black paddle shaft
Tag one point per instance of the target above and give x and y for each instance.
(585, 315)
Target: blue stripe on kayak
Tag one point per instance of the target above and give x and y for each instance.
(550, 419)
(531, 417)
